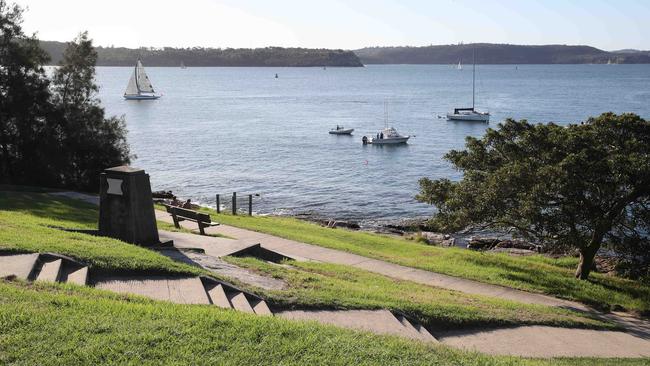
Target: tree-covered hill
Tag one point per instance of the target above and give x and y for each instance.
(487, 53)
(168, 56)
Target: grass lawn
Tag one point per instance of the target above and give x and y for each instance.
(59, 324)
(533, 273)
(29, 222)
(320, 285)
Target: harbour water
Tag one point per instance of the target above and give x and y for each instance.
(219, 130)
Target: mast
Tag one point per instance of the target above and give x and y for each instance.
(135, 72)
(473, 76)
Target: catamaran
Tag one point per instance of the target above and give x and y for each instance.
(470, 114)
(139, 87)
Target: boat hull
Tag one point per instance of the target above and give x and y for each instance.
(341, 132)
(475, 117)
(391, 141)
(141, 97)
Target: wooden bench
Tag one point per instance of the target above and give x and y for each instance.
(180, 214)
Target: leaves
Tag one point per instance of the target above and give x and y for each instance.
(562, 186)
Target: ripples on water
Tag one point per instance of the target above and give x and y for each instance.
(219, 130)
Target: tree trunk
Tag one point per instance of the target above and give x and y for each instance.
(586, 262)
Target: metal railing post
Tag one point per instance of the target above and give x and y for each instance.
(234, 203)
(218, 203)
(250, 205)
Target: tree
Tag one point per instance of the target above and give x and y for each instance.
(579, 186)
(89, 142)
(24, 102)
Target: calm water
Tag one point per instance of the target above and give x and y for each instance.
(218, 130)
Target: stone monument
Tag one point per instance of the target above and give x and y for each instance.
(126, 207)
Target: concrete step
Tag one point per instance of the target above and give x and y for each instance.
(187, 290)
(76, 275)
(50, 271)
(407, 324)
(218, 297)
(261, 308)
(425, 333)
(240, 302)
(21, 265)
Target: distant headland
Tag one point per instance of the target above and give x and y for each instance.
(198, 56)
(488, 53)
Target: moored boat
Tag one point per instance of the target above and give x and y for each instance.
(470, 114)
(387, 136)
(340, 130)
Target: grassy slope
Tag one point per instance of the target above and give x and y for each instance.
(68, 325)
(321, 285)
(26, 219)
(534, 273)
(27, 222)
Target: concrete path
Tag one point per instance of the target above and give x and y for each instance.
(294, 249)
(529, 341)
(542, 341)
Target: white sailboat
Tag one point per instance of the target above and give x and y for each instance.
(470, 114)
(139, 87)
(183, 65)
(460, 65)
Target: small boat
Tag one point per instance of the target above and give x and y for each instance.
(470, 114)
(276, 76)
(460, 66)
(387, 136)
(183, 65)
(139, 87)
(340, 130)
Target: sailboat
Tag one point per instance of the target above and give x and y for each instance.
(183, 65)
(460, 66)
(470, 114)
(139, 87)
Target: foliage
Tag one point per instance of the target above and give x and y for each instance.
(52, 132)
(24, 105)
(89, 142)
(575, 186)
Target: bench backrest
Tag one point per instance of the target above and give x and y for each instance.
(189, 214)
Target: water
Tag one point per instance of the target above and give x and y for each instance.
(219, 130)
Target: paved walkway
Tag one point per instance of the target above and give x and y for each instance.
(296, 249)
(529, 341)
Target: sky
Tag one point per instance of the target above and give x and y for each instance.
(351, 24)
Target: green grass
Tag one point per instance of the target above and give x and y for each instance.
(533, 273)
(320, 285)
(30, 222)
(58, 324)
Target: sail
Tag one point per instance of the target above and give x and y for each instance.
(132, 87)
(143, 83)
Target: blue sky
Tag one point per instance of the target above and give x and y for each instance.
(349, 24)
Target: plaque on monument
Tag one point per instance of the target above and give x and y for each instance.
(126, 207)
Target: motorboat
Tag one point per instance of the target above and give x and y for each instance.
(387, 136)
(340, 130)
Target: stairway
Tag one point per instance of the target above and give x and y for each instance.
(177, 289)
(376, 321)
